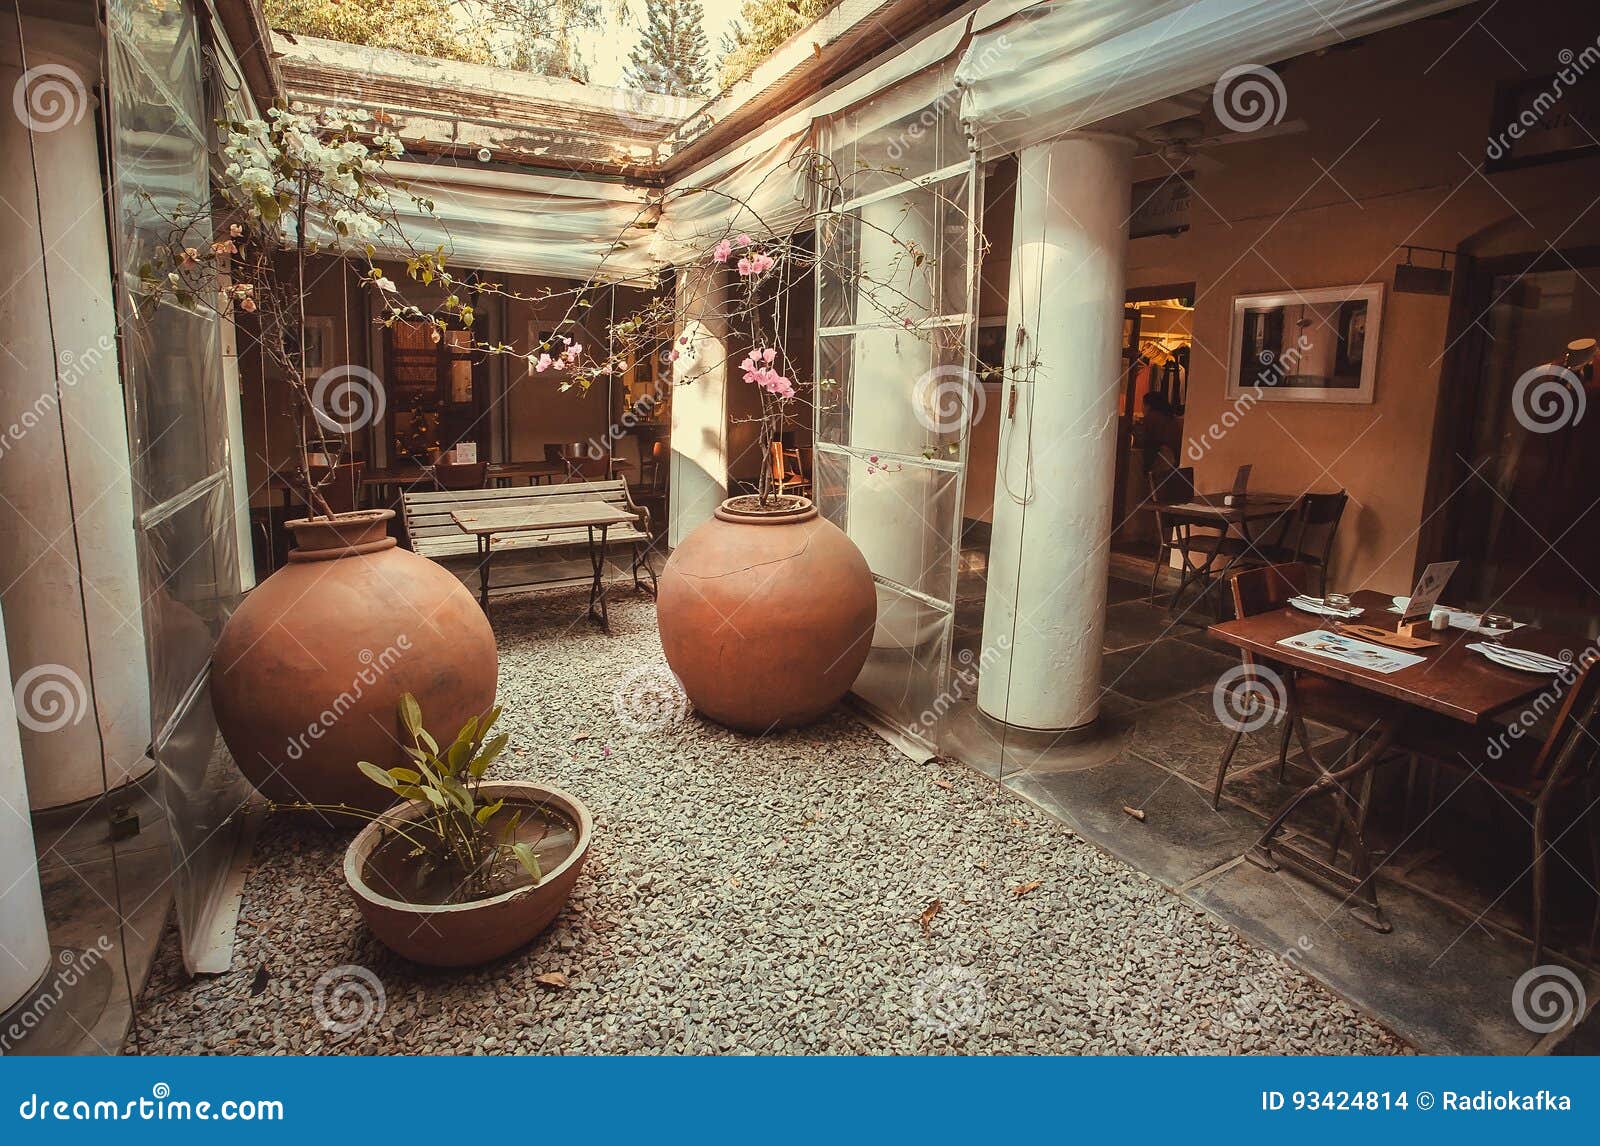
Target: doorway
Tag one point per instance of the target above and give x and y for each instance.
(1527, 510)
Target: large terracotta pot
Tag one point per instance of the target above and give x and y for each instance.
(463, 934)
(766, 618)
(307, 673)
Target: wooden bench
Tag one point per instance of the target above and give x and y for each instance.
(432, 533)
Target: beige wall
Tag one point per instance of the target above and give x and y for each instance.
(1399, 122)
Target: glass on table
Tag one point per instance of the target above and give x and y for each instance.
(1495, 626)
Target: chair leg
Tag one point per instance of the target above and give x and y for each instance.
(1155, 570)
(1289, 722)
(1222, 765)
(1540, 878)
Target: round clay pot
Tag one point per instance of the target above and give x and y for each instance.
(766, 618)
(464, 934)
(307, 672)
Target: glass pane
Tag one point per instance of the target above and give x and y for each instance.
(904, 675)
(897, 392)
(904, 133)
(900, 516)
(897, 258)
(193, 587)
(174, 372)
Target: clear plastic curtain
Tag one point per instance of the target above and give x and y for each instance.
(180, 443)
(892, 405)
(1067, 64)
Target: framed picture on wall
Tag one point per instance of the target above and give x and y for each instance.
(319, 344)
(1306, 346)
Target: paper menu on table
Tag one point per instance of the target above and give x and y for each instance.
(1363, 654)
(1426, 595)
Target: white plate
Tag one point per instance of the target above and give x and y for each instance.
(1507, 658)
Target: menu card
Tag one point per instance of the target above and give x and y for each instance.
(1362, 654)
(1426, 594)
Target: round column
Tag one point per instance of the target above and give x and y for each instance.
(699, 435)
(26, 947)
(1049, 553)
(68, 569)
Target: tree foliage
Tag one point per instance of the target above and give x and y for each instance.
(670, 57)
(427, 27)
(762, 26)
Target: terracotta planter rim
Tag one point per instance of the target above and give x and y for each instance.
(348, 534)
(805, 510)
(367, 839)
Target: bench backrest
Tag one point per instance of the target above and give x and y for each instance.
(427, 513)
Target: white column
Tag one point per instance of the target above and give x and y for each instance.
(24, 945)
(1049, 553)
(700, 373)
(68, 574)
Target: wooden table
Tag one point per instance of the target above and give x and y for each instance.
(400, 477)
(1212, 509)
(1451, 681)
(504, 473)
(596, 516)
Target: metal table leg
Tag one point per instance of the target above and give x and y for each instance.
(485, 553)
(1270, 854)
(597, 588)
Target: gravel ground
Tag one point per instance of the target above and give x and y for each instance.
(742, 895)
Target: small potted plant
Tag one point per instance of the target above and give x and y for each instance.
(464, 870)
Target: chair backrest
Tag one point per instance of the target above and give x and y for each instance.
(1319, 524)
(1572, 740)
(1170, 484)
(340, 485)
(468, 475)
(1267, 587)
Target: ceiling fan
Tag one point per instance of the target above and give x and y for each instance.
(1180, 141)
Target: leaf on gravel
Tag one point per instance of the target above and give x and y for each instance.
(933, 908)
(259, 983)
(551, 979)
(1023, 889)
(945, 784)
(1016, 823)
(1136, 813)
(581, 735)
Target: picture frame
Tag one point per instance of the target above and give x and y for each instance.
(1317, 345)
(318, 344)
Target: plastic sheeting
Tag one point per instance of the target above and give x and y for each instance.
(528, 224)
(179, 439)
(1060, 66)
(765, 193)
(759, 187)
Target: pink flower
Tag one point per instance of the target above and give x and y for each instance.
(758, 370)
(235, 230)
(248, 305)
(744, 240)
(768, 355)
(571, 352)
(225, 247)
(756, 264)
(189, 258)
(673, 357)
(722, 251)
(544, 363)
